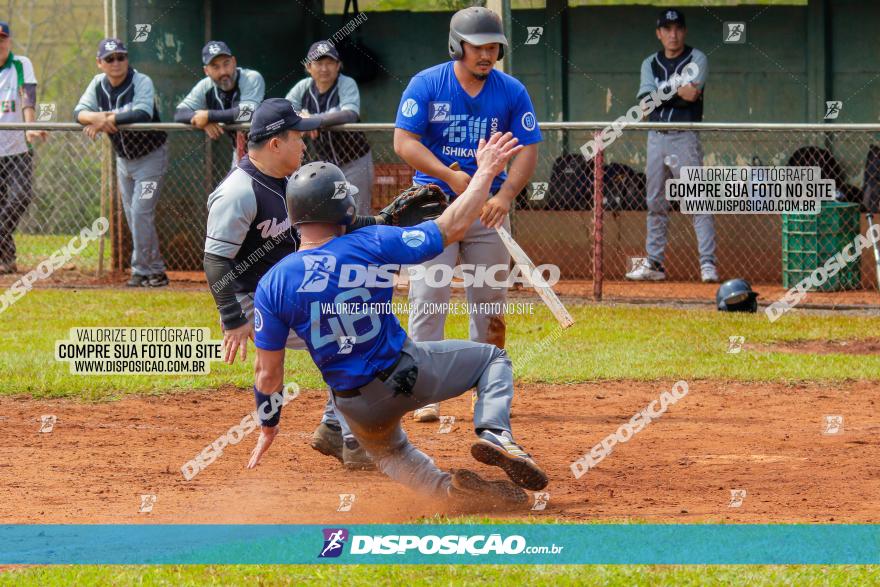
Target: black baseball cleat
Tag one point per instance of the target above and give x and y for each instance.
(499, 450)
(468, 486)
(138, 281)
(157, 280)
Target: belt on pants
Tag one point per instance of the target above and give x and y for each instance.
(382, 376)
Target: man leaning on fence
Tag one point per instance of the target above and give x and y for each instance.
(122, 95)
(334, 98)
(670, 150)
(18, 97)
(229, 94)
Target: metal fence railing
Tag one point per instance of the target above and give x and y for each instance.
(74, 183)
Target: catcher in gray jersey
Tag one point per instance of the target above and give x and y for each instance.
(249, 231)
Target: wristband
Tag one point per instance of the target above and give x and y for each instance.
(268, 416)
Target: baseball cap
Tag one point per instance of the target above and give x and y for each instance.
(110, 46)
(322, 49)
(670, 16)
(275, 115)
(4, 29)
(213, 49)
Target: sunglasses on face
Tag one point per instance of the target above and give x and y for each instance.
(115, 58)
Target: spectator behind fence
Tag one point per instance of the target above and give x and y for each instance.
(122, 95)
(670, 150)
(18, 97)
(335, 99)
(229, 94)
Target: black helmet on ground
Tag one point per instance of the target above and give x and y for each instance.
(736, 295)
(319, 192)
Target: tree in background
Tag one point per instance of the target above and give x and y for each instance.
(59, 37)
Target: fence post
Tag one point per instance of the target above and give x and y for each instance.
(598, 215)
(116, 221)
(105, 173)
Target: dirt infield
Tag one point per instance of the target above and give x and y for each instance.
(766, 439)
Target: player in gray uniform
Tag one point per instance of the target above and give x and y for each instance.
(379, 374)
(122, 95)
(248, 232)
(229, 94)
(669, 151)
(333, 98)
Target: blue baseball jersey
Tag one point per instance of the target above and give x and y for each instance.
(451, 123)
(337, 298)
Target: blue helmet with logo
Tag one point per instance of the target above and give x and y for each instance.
(736, 295)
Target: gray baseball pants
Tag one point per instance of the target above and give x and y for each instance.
(139, 204)
(480, 246)
(446, 369)
(360, 172)
(668, 152)
(295, 343)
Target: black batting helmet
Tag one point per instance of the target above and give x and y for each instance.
(736, 295)
(477, 26)
(319, 192)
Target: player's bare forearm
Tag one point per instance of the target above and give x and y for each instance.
(86, 117)
(409, 148)
(456, 219)
(521, 170)
(492, 156)
(269, 371)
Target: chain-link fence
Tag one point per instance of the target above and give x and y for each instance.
(748, 246)
(74, 182)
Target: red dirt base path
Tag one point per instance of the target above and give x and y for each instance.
(765, 439)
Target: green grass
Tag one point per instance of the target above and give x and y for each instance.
(34, 248)
(374, 575)
(631, 342)
(639, 343)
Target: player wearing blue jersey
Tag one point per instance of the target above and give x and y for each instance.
(376, 373)
(443, 113)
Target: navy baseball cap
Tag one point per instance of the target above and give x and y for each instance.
(670, 16)
(213, 49)
(4, 29)
(322, 49)
(110, 46)
(275, 115)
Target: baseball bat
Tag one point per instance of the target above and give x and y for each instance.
(876, 249)
(548, 296)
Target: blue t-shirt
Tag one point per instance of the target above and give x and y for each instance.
(337, 298)
(451, 123)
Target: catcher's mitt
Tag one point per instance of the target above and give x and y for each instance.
(415, 205)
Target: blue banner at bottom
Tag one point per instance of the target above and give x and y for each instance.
(440, 544)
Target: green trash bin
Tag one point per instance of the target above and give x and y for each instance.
(809, 240)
